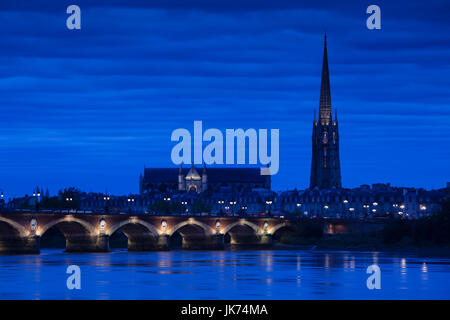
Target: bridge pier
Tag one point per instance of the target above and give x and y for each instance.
(143, 244)
(162, 243)
(251, 241)
(265, 240)
(25, 245)
(217, 242)
(98, 243)
(214, 242)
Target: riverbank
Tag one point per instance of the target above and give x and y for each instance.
(360, 243)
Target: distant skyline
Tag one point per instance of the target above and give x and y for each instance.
(90, 108)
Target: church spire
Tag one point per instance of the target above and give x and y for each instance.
(325, 94)
(325, 164)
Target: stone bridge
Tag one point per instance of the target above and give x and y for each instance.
(21, 232)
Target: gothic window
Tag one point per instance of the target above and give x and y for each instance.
(334, 137)
(325, 137)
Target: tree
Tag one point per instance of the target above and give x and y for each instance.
(200, 206)
(70, 198)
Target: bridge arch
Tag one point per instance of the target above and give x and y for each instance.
(281, 230)
(191, 222)
(80, 235)
(278, 227)
(148, 226)
(80, 226)
(192, 233)
(11, 228)
(242, 233)
(249, 224)
(141, 235)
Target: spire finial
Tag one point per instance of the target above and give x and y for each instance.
(325, 94)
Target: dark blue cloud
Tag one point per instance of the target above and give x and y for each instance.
(91, 107)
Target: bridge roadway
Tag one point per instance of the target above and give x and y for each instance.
(20, 232)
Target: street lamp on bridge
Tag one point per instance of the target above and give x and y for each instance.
(184, 206)
(106, 198)
(326, 210)
(220, 203)
(37, 196)
(130, 201)
(232, 204)
(244, 209)
(69, 202)
(2, 200)
(269, 205)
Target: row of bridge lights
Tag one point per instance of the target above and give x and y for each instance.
(163, 225)
(102, 225)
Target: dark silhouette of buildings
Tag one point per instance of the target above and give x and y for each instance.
(193, 180)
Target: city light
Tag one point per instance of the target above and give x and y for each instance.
(102, 224)
(33, 224)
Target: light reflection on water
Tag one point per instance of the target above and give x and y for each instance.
(284, 274)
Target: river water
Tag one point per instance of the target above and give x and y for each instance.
(265, 274)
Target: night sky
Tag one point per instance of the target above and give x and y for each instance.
(90, 108)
